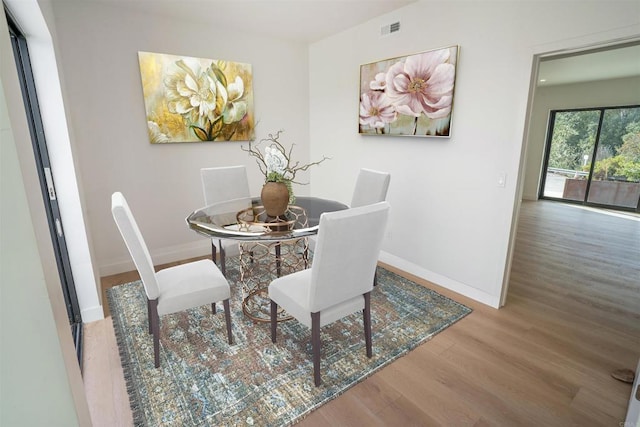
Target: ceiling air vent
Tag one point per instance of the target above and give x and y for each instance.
(385, 30)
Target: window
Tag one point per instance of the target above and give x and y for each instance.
(593, 157)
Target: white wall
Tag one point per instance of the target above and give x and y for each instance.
(98, 44)
(40, 382)
(450, 222)
(616, 92)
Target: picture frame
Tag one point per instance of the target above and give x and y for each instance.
(191, 99)
(409, 95)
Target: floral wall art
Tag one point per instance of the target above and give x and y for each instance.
(409, 95)
(194, 99)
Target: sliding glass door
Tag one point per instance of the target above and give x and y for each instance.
(593, 157)
(41, 154)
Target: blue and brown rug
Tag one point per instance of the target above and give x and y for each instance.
(204, 381)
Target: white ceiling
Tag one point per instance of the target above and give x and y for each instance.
(306, 21)
(591, 66)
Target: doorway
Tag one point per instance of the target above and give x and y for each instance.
(570, 79)
(539, 163)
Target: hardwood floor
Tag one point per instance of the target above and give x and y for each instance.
(572, 316)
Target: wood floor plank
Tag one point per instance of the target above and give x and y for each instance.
(416, 388)
(527, 396)
(103, 375)
(606, 412)
(403, 412)
(374, 395)
(572, 316)
(473, 394)
(349, 410)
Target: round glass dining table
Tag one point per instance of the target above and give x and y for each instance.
(269, 247)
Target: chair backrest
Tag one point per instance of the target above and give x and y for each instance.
(347, 250)
(135, 243)
(371, 187)
(224, 183)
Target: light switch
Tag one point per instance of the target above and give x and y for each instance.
(502, 179)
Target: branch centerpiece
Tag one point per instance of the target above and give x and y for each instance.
(279, 170)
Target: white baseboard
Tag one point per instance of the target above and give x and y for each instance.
(440, 280)
(160, 256)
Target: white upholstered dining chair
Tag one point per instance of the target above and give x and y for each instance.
(172, 289)
(340, 280)
(371, 187)
(221, 184)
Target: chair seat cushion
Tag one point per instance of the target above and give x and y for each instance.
(291, 292)
(190, 285)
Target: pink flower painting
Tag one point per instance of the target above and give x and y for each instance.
(410, 95)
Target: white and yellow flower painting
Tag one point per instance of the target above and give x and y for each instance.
(409, 95)
(193, 99)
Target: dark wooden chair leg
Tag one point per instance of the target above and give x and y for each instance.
(375, 278)
(274, 320)
(315, 343)
(366, 314)
(155, 327)
(213, 307)
(149, 315)
(227, 317)
(223, 259)
(213, 252)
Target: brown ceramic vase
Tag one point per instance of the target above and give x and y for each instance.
(275, 198)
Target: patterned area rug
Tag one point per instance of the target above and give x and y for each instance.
(204, 381)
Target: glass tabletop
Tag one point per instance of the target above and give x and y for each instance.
(245, 219)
